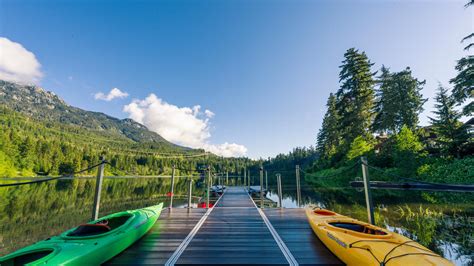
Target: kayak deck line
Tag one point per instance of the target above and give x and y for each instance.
(175, 256)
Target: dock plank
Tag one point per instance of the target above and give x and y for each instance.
(234, 233)
(295, 231)
(159, 244)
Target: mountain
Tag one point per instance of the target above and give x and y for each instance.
(46, 106)
(42, 134)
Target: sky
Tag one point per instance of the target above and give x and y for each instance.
(235, 77)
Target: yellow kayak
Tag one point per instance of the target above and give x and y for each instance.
(358, 243)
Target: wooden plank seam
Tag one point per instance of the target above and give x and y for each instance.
(177, 253)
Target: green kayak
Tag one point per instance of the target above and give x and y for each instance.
(88, 244)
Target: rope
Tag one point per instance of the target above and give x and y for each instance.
(52, 178)
(386, 258)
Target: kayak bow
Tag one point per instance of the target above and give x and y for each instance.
(88, 244)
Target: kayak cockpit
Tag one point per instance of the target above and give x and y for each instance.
(100, 227)
(29, 257)
(359, 228)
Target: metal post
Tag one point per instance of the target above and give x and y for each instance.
(208, 184)
(266, 180)
(172, 186)
(279, 190)
(245, 177)
(190, 192)
(226, 178)
(249, 181)
(98, 189)
(368, 195)
(298, 188)
(261, 187)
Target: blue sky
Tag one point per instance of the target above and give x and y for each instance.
(264, 68)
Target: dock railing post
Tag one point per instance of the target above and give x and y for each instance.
(245, 177)
(208, 184)
(368, 195)
(98, 189)
(190, 192)
(298, 186)
(172, 186)
(279, 189)
(249, 179)
(261, 187)
(266, 180)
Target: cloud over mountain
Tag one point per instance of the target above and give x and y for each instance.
(186, 126)
(114, 93)
(17, 64)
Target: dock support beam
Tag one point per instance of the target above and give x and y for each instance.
(298, 186)
(279, 189)
(172, 186)
(98, 189)
(368, 195)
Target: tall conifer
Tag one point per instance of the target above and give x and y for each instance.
(355, 98)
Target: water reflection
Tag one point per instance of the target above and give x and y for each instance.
(30, 213)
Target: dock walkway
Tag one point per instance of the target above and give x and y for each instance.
(235, 231)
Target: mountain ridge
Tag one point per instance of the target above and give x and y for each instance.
(46, 106)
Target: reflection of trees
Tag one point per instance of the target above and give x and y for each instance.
(33, 212)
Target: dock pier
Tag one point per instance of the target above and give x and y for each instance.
(234, 231)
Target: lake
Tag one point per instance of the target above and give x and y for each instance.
(442, 221)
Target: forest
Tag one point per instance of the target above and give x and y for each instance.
(31, 147)
(376, 114)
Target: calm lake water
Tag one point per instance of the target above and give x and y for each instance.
(442, 221)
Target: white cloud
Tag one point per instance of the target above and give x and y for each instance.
(182, 125)
(209, 113)
(18, 64)
(227, 149)
(113, 93)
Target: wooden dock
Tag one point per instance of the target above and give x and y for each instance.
(235, 231)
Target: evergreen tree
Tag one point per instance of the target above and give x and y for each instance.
(464, 81)
(450, 135)
(328, 136)
(399, 101)
(355, 98)
(464, 84)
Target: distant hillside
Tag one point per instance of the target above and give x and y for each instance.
(46, 106)
(41, 134)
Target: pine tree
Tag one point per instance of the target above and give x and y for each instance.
(464, 81)
(355, 98)
(450, 135)
(328, 136)
(399, 101)
(464, 84)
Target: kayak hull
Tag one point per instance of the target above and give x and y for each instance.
(358, 243)
(87, 250)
